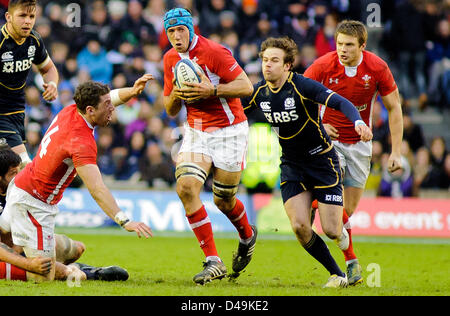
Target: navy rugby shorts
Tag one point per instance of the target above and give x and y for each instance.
(320, 174)
(12, 129)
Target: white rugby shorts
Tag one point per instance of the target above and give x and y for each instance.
(226, 146)
(30, 221)
(355, 162)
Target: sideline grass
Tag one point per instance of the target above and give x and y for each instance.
(165, 265)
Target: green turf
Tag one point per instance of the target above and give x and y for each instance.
(165, 265)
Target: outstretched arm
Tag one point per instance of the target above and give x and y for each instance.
(91, 176)
(123, 95)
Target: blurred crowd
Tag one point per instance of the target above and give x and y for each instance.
(116, 41)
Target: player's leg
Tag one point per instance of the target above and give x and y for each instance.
(297, 207)
(228, 148)
(357, 171)
(191, 172)
(68, 250)
(225, 187)
(11, 272)
(12, 130)
(32, 223)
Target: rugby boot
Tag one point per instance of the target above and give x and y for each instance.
(336, 281)
(212, 270)
(244, 254)
(354, 273)
(111, 273)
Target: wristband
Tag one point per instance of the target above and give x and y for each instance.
(359, 122)
(121, 218)
(115, 99)
(215, 91)
(53, 84)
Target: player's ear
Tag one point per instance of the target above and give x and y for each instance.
(363, 46)
(8, 16)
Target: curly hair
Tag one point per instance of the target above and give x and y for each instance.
(8, 158)
(88, 94)
(285, 43)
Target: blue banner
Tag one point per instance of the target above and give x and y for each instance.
(161, 210)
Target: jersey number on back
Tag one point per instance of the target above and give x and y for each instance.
(46, 140)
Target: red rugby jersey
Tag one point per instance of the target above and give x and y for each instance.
(220, 67)
(360, 85)
(68, 143)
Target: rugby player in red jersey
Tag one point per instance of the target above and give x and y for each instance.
(68, 148)
(359, 76)
(215, 139)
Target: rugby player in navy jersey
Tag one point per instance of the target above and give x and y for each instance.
(309, 163)
(20, 48)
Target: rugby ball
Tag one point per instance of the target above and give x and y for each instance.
(185, 71)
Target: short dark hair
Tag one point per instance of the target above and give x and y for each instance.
(8, 158)
(88, 94)
(285, 43)
(25, 3)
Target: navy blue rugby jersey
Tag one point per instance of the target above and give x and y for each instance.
(293, 111)
(16, 61)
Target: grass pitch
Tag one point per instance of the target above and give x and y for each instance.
(165, 264)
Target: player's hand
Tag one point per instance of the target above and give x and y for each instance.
(139, 85)
(394, 162)
(140, 228)
(197, 91)
(364, 132)
(50, 91)
(331, 131)
(39, 265)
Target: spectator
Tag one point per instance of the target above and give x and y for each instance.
(34, 137)
(93, 60)
(412, 132)
(324, 41)
(129, 169)
(210, 16)
(134, 28)
(248, 20)
(438, 56)
(155, 168)
(376, 167)
(397, 184)
(409, 44)
(105, 158)
(154, 14)
(98, 23)
(300, 30)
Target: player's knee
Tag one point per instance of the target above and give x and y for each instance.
(190, 179)
(186, 190)
(224, 195)
(301, 229)
(332, 231)
(80, 248)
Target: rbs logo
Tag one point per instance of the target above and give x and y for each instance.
(333, 198)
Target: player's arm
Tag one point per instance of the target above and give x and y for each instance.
(172, 102)
(393, 106)
(37, 265)
(320, 94)
(123, 95)
(240, 87)
(51, 77)
(91, 176)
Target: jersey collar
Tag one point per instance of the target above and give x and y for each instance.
(8, 35)
(351, 71)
